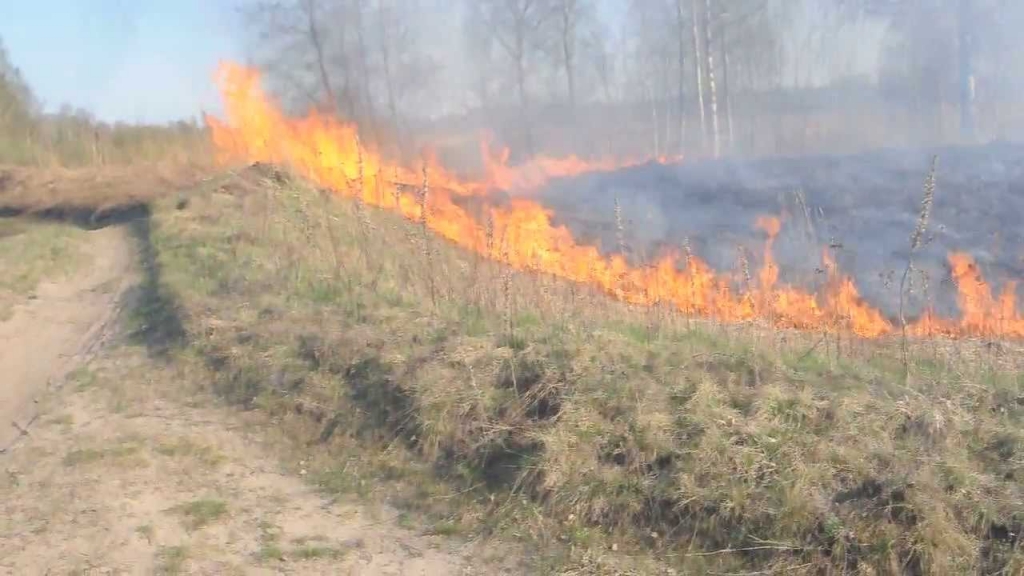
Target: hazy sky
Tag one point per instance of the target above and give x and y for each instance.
(133, 60)
(153, 60)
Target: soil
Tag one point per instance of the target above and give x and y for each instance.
(109, 472)
(58, 328)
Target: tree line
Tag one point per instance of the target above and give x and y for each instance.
(71, 137)
(707, 77)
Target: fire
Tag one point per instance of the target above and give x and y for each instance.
(981, 313)
(329, 152)
(539, 170)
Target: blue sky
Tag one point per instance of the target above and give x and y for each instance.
(131, 60)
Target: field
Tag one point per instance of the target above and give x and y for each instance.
(385, 365)
(722, 447)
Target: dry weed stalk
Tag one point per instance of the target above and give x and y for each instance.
(379, 182)
(425, 236)
(688, 251)
(506, 292)
(620, 229)
(744, 262)
(836, 319)
(396, 190)
(916, 240)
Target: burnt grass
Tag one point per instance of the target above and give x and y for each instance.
(523, 405)
(864, 206)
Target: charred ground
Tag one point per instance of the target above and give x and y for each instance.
(863, 205)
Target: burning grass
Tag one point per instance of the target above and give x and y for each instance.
(521, 234)
(553, 411)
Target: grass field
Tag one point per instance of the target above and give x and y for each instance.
(523, 406)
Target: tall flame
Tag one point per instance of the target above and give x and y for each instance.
(329, 152)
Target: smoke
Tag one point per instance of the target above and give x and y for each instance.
(599, 79)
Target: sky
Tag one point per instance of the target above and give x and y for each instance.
(128, 60)
(154, 60)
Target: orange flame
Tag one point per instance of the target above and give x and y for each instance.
(539, 170)
(981, 313)
(329, 152)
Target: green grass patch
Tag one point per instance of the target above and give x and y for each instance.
(127, 454)
(188, 448)
(31, 252)
(199, 513)
(170, 560)
(313, 552)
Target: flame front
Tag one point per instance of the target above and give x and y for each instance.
(329, 152)
(539, 170)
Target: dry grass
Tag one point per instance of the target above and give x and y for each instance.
(31, 252)
(526, 405)
(94, 192)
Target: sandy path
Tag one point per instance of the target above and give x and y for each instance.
(125, 470)
(52, 333)
(118, 480)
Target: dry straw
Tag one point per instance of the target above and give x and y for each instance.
(916, 240)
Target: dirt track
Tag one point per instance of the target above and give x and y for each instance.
(127, 468)
(58, 329)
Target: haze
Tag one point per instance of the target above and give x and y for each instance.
(590, 77)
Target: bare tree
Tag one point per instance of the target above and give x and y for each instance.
(480, 53)
(712, 89)
(966, 40)
(312, 28)
(568, 21)
(952, 33)
(698, 66)
(516, 26)
(681, 27)
(385, 16)
(292, 45)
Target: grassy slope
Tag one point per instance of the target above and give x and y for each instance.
(519, 403)
(31, 252)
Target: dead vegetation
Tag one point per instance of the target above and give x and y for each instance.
(33, 252)
(94, 196)
(134, 469)
(524, 405)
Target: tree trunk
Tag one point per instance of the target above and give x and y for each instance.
(680, 26)
(698, 67)
(966, 40)
(568, 48)
(318, 49)
(364, 69)
(716, 144)
(726, 92)
(524, 99)
(385, 57)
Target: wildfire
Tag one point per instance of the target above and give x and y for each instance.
(539, 170)
(981, 313)
(330, 153)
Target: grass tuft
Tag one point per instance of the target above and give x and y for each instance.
(200, 513)
(170, 560)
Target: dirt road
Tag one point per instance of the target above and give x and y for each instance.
(127, 468)
(56, 330)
